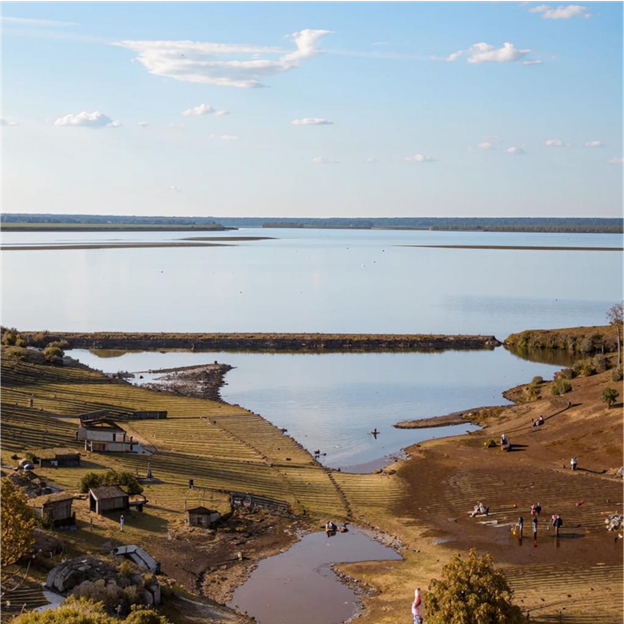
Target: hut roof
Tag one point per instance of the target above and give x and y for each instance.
(56, 452)
(108, 491)
(48, 499)
(202, 511)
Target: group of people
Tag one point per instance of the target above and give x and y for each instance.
(480, 510)
(536, 509)
(331, 528)
(538, 422)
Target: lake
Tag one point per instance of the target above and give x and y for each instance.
(310, 281)
(331, 402)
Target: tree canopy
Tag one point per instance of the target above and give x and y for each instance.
(471, 591)
(17, 526)
(122, 478)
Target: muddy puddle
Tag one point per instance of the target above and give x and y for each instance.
(299, 584)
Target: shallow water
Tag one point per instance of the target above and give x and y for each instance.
(331, 402)
(311, 281)
(299, 585)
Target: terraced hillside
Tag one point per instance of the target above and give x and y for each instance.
(221, 447)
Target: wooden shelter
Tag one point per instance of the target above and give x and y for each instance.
(58, 457)
(56, 508)
(108, 499)
(202, 517)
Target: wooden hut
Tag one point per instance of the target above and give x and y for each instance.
(58, 457)
(56, 508)
(108, 499)
(202, 517)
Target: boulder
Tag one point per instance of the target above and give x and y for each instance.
(64, 577)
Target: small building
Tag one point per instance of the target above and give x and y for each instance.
(56, 508)
(108, 499)
(202, 517)
(104, 436)
(137, 555)
(58, 457)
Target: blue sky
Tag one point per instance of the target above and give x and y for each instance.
(400, 109)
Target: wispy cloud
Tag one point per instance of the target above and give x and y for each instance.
(616, 161)
(205, 109)
(7, 122)
(594, 144)
(312, 121)
(39, 23)
(321, 160)
(87, 120)
(223, 137)
(556, 143)
(487, 53)
(370, 159)
(420, 158)
(175, 189)
(212, 63)
(561, 12)
(143, 124)
(491, 143)
(515, 151)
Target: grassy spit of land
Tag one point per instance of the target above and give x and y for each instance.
(261, 341)
(574, 340)
(11, 226)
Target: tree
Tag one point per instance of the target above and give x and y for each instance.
(144, 615)
(471, 591)
(123, 478)
(615, 316)
(53, 352)
(17, 525)
(609, 396)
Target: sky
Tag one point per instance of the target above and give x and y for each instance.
(312, 109)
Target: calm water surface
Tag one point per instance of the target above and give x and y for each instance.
(311, 280)
(299, 585)
(331, 402)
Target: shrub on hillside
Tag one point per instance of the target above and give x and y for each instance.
(53, 353)
(123, 479)
(600, 363)
(537, 380)
(617, 374)
(584, 368)
(17, 353)
(609, 396)
(561, 386)
(566, 373)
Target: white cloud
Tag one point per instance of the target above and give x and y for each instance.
(6, 122)
(419, 158)
(487, 53)
(556, 143)
(320, 160)
(515, 151)
(175, 189)
(594, 144)
(561, 12)
(223, 137)
(204, 109)
(488, 145)
(616, 161)
(370, 159)
(220, 63)
(143, 124)
(23, 21)
(312, 121)
(87, 120)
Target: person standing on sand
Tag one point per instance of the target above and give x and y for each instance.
(534, 527)
(520, 526)
(416, 606)
(573, 463)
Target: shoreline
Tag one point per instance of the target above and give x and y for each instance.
(104, 246)
(516, 247)
(472, 416)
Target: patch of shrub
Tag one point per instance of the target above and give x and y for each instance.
(600, 363)
(31, 457)
(566, 373)
(584, 368)
(537, 380)
(52, 353)
(18, 353)
(123, 479)
(561, 386)
(617, 374)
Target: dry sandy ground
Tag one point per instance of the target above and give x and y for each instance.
(579, 576)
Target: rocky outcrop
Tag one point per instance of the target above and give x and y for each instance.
(73, 572)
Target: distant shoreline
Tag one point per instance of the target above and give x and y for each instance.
(104, 246)
(517, 247)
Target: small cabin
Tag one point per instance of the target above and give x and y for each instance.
(108, 499)
(56, 508)
(58, 457)
(202, 517)
(104, 435)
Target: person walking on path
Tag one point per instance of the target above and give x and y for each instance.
(557, 522)
(534, 527)
(520, 526)
(416, 606)
(121, 523)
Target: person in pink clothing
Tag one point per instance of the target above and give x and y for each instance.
(416, 607)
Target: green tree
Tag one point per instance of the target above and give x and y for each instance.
(471, 591)
(17, 524)
(72, 611)
(609, 396)
(51, 352)
(122, 478)
(144, 615)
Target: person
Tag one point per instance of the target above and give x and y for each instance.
(520, 525)
(478, 509)
(538, 508)
(534, 521)
(557, 523)
(330, 527)
(121, 523)
(503, 440)
(573, 463)
(540, 420)
(534, 511)
(416, 606)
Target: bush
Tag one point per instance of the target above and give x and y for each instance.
(52, 352)
(617, 375)
(584, 368)
(18, 353)
(471, 591)
(600, 363)
(123, 479)
(143, 615)
(71, 611)
(609, 396)
(537, 380)
(561, 386)
(566, 373)
(31, 457)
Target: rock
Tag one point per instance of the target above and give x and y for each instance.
(64, 577)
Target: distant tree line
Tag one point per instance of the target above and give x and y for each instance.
(104, 219)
